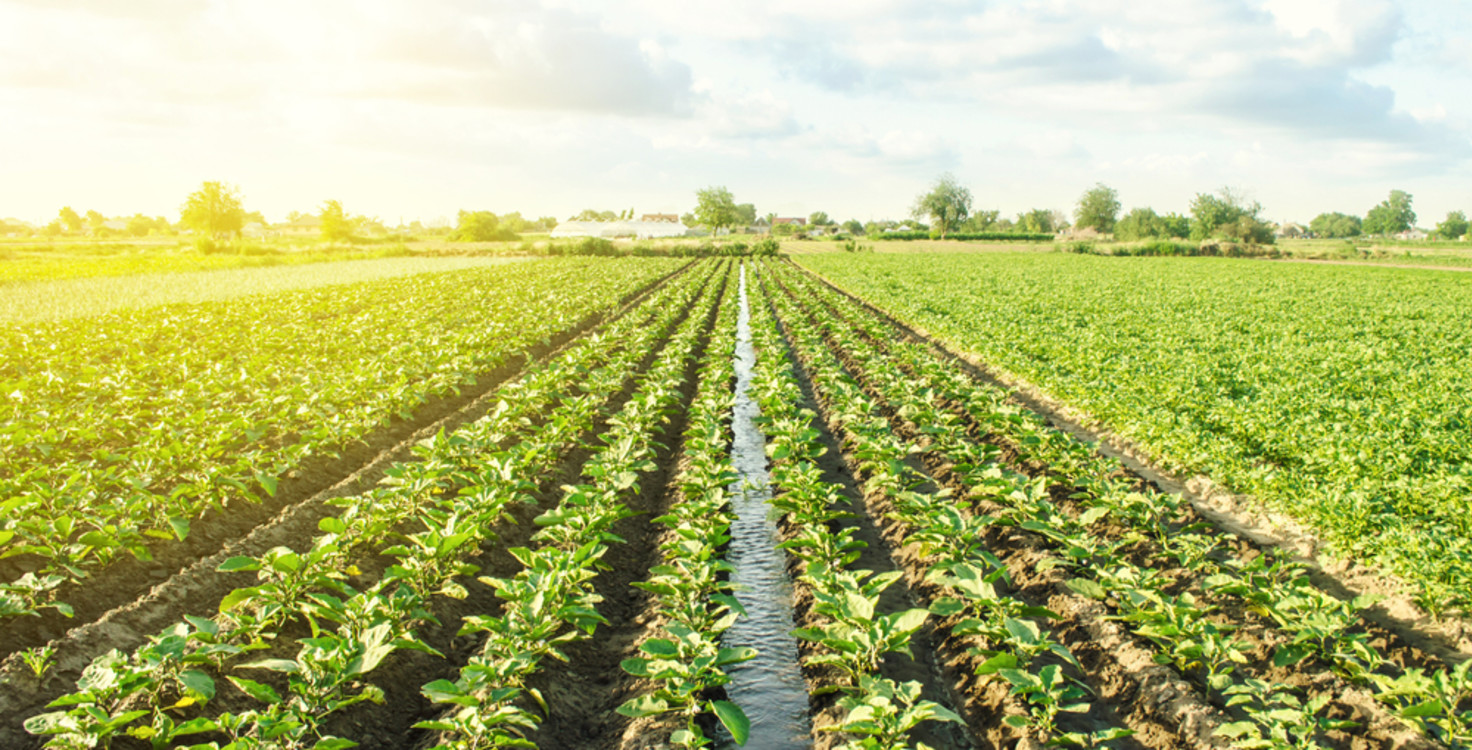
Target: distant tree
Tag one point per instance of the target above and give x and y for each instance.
(784, 230)
(745, 214)
(1098, 207)
(1394, 214)
(514, 222)
(1060, 220)
(139, 225)
(70, 220)
(1228, 215)
(853, 226)
(1454, 227)
(214, 210)
(95, 220)
(1176, 225)
(819, 219)
(1138, 224)
(294, 216)
(54, 229)
(982, 221)
(589, 214)
(1037, 221)
(1335, 224)
(688, 219)
(336, 226)
(545, 224)
(481, 226)
(715, 208)
(946, 205)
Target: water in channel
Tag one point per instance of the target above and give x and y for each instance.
(769, 688)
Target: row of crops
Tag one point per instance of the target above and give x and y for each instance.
(1072, 581)
(1338, 395)
(319, 628)
(120, 430)
(548, 566)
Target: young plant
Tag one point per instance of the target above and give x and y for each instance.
(882, 713)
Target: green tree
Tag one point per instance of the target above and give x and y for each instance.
(1098, 207)
(1454, 227)
(1228, 215)
(1037, 221)
(853, 226)
(214, 211)
(1138, 224)
(1394, 214)
(336, 226)
(70, 220)
(481, 226)
(745, 215)
(715, 208)
(819, 219)
(1176, 225)
(139, 225)
(982, 221)
(95, 220)
(1335, 224)
(946, 205)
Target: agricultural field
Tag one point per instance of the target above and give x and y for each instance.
(508, 507)
(1340, 396)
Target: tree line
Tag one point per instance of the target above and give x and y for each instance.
(1225, 215)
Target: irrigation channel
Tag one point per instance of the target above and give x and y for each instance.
(770, 687)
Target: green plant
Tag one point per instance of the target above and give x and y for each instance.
(883, 712)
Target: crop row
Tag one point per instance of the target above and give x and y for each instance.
(1128, 521)
(551, 601)
(439, 509)
(1336, 395)
(174, 411)
(691, 589)
(968, 585)
(851, 636)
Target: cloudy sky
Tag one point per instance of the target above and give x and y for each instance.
(417, 109)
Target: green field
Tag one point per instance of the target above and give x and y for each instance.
(1339, 394)
(70, 297)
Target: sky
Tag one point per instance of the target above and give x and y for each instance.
(416, 110)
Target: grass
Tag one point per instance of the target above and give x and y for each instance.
(61, 298)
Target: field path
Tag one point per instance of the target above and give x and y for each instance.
(1410, 266)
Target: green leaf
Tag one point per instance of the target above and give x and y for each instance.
(234, 598)
(997, 663)
(180, 527)
(1085, 587)
(644, 705)
(260, 692)
(198, 684)
(238, 563)
(286, 666)
(1421, 710)
(659, 647)
(334, 743)
(332, 525)
(1290, 654)
(734, 719)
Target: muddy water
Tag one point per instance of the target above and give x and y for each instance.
(770, 687)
